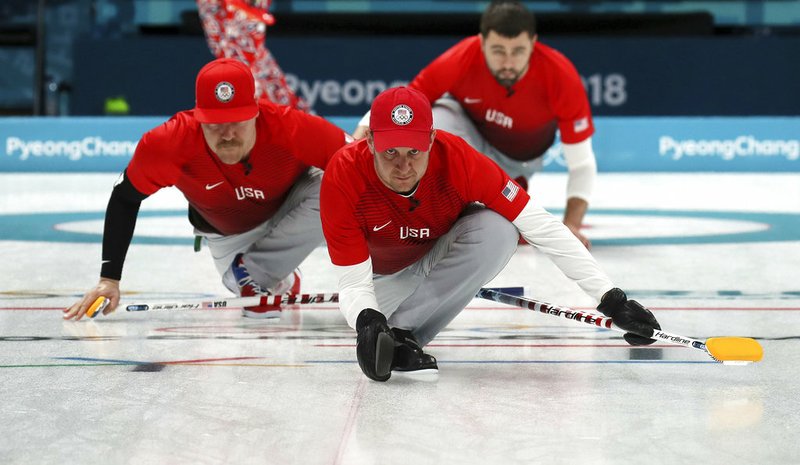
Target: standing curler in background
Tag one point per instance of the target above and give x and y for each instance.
(238, 29)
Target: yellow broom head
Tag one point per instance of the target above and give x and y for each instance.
(735, 350)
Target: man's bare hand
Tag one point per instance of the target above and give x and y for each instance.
(108, 288)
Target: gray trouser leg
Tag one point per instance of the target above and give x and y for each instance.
(450, 116)
(276, 247)
(427, 295)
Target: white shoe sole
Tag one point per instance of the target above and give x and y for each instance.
(425, 372)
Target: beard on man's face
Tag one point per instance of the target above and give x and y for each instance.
(507, 77)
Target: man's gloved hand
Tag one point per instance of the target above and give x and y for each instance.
(629, 315)
(375, 345)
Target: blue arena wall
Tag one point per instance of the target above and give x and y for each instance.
(622, 144)
(339, 76)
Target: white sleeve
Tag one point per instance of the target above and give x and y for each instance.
(582, 168)
(549, 235)
(364, 121)
(356, 291)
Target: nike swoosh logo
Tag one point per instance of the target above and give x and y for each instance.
(378, 228)
(471, 100)
(211, 186)
(105, 261)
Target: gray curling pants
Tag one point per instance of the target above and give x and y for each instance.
(426, 296)
(450, 116)
(273, 249)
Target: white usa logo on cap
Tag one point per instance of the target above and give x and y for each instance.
(224, 92)
(402, 115)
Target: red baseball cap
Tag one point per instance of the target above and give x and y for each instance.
(225, 92)
(401, 117)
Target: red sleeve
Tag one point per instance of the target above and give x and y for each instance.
(314, 139)
(569, 101)
(338, 197)
(442, 74)
(153, 165)
(483, 180)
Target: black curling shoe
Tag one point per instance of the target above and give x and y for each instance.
(408, 355)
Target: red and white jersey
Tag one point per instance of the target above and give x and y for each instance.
(237, 29)
(234, 198)
(362, 218)
(370, 228)
(520, 122)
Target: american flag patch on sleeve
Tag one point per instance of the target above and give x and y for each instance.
(510, 191)
(580, 124)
